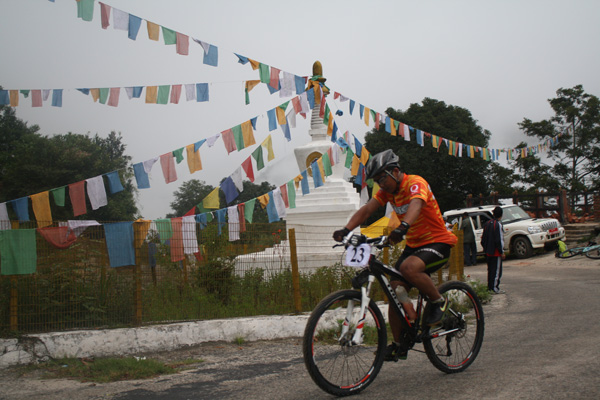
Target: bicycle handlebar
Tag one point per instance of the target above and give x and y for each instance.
(356, 239)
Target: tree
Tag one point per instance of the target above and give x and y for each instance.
(32, 163)
(577, 153)
(501, 179)
(451, 178)
(534, 174)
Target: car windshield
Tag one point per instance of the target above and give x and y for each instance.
(514, 213)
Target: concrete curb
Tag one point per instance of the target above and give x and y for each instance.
(125, 341)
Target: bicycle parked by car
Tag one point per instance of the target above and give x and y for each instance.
(592, 250)
(345, 337)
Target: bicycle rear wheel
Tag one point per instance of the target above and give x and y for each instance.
(594, 253)
(453, 346)
(335, 364)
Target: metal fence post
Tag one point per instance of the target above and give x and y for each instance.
(137, 298)
(14, 304)
(295, 272)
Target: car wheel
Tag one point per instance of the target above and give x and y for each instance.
(522, 247)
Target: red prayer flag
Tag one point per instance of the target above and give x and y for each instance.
(59, 236)
(175, 93)
(297, 105)
(177, 240)
(229, 140)
(182, 44)
(77, 196)
(247, 165)
(191, 212)
(284, 195)
(241, 209)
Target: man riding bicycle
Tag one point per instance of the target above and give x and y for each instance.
(428, 242)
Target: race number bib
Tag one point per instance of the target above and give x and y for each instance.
(358, 256)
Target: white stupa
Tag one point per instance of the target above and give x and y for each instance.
(318, 213)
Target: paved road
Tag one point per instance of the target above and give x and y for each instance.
(541, 341)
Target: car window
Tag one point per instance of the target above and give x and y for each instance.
(513, 214)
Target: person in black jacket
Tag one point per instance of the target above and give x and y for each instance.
(492, 242)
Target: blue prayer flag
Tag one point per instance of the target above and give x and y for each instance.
(286, 130)
(351, 106)
(141, 176)
(300, 83)
(137, 91)
(271, 209)
(84, 91)
(201, 92)
(197, 145)
(272, 119)
(119, 242)
(316, 173)
(202, 220)
(310, 96)
(4, 98)
(228, 187)
(241, 59)
(57, 97)
(134, 26)
(114, 182)
(357, 147)
(21, 208)
(221, 218)
(304, 183)
(212, 57)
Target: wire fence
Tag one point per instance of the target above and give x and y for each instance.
(65, 277)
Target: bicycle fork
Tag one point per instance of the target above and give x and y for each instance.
(357, 337)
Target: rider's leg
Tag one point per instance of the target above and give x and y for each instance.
(394, 318)
(413, 269)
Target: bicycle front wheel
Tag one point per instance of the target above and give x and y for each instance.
(594, 253)
(453, 346)
(569, 253)
(335, 363)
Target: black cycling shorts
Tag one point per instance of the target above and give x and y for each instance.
(434, 255)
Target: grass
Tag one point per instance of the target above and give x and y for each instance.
(103, 370)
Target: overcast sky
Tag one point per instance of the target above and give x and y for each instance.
(501, 60)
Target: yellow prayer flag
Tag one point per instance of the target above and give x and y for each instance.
(393, 127)
(355, 165)
(268, 143)
(280, 115)
(330, 125)
(364, 156)
(375, 189)
(248, 133)
(317, 94)
(153, 30)
(151, 94)
(255, 64)
(263, 200)
(251, 84)
(140, 231)
(321, 168)
(95, 94)
(193, 158)
(450, 147)
(471, 152)
(394, 221)
(212, 200)
(367, 113)
(41, 209)
(14, 98)
(297, 180)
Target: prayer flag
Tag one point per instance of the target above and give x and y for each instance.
(175, 94)
(176, 241)
(59, 196)
(263, 71)
(193, 158)
(18, 251)
(57, 97)
(153, 30)
(258, 156)
(167, 163)
(104, 15)
(169, 36)
(228, 140)
(248, 134)
(212, 200)
(272, 209)
(21, 208)
(134, 27)
(233, 219)
(119, 243)
(272, 119)
(113, 100)
(41, 209)
(228, 187)
(304, 183)
(249, 210)
(141, 177)
(85, 9)
(268, 143)
(291, 191)
(151, 94)
(202, 92)
(212, 56)
(183, 43)
(247, 166)
(77, 196)
(96, 192)
(238, 137)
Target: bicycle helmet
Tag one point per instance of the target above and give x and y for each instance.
(380, 162)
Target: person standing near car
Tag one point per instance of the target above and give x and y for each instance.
(469, 246)
(492, 241)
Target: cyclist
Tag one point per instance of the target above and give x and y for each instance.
(428, 242)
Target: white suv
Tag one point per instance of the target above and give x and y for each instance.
(522, 233)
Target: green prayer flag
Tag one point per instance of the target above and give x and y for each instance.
(169, 35)
(373, 114)
(18, 251)
(349, 155)
(264, 73)
(258, 156)
(178, 154)
(85, 10)
(200, 208)
(326, 164)
(238, 137)
(249, 210)
(163, 94)
(284, 105)
(25, 93)
(326, 116)
(103, 95)
(247, 96)
(59, 196)
(209, 216)
(291, 194)
(165, 230)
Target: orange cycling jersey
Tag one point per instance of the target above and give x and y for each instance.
(429, 226)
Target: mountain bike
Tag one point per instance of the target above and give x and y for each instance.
(592, 250)
(345, 338)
